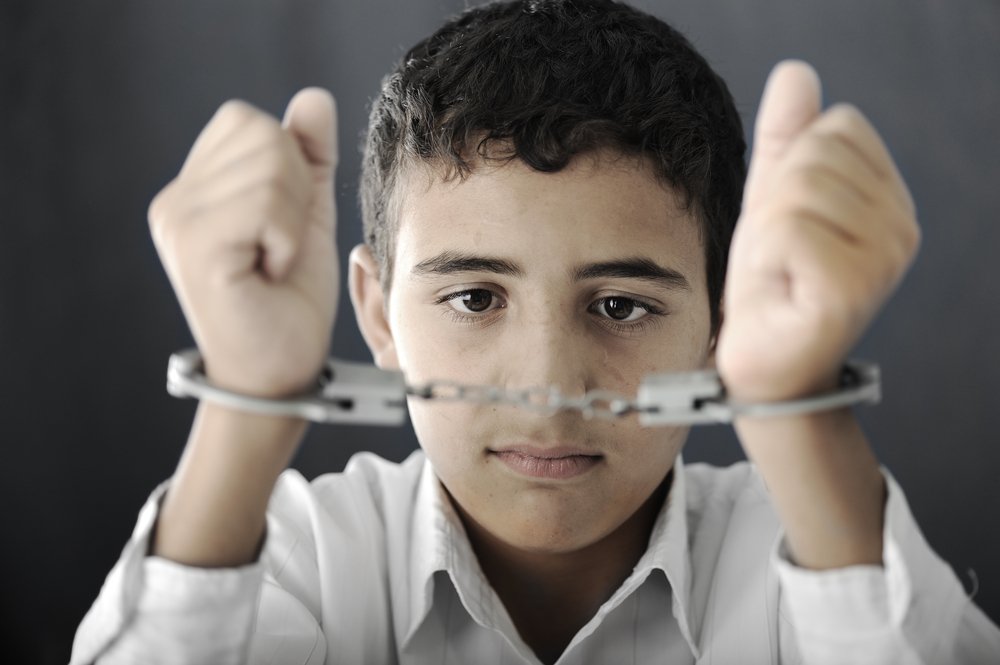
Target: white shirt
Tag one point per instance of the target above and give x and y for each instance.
(373, 566)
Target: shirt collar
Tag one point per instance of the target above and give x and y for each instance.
(440, 544)
(668, 551)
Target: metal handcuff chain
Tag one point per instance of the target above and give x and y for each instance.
(359, 393)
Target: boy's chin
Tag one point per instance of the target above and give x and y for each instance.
(537, 527)
(536, 539)
(546, 534)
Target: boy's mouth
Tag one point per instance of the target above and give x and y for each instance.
(550, 463)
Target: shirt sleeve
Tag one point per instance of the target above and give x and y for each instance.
(152, 610)
(911, 610)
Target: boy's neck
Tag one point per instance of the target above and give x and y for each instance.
(551, 596)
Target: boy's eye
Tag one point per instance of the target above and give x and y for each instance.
(619, 308)
(473, 301)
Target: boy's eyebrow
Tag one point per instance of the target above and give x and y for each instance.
(636, 267)
(450, 262)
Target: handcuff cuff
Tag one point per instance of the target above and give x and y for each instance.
(359, 393)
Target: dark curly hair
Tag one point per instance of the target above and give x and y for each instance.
(546, 80)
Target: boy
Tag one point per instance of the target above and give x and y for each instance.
(549, 191)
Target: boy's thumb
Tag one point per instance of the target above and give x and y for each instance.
(311, 117)
(790, 102)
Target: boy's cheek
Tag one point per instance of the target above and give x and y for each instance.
(426, 350)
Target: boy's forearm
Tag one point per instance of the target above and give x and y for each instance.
(214, 512)
(825, 483)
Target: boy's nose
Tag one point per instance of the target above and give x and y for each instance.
(550, 353)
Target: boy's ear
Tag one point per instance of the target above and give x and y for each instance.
(369, 307)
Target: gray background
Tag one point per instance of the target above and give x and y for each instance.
(99, 102)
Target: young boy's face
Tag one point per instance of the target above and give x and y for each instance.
(588, 278)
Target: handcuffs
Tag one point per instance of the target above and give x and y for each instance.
(359, 393)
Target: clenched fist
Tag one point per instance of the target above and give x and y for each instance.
(246, 234)
(827, 231)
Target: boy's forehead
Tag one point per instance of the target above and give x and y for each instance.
(622, 187)
(601, 205)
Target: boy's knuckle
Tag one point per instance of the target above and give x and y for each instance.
(834, 140)
(155, 212)
(911, 236)
(160, 210)
(843, 123)
(235, 111)
(266, 129)
(845, 117)
(901, 226)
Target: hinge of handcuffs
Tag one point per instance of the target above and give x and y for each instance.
(359, 393)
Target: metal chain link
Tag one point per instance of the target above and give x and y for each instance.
(599, 404)
(354, 392)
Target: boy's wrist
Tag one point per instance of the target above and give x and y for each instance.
(825, 484)
(214, 513)
(262, 436)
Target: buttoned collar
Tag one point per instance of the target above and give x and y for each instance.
(440, 544)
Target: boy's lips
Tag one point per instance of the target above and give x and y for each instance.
(558, 462)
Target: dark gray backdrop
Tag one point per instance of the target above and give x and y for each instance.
(99, 102)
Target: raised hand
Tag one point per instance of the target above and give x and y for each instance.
(246, 234)
(827, 231)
